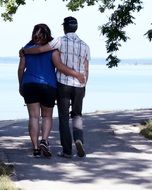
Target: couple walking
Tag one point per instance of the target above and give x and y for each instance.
(52, 70)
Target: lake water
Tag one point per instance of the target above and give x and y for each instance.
(128, 86)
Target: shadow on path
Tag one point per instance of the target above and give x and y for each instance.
(108, 157)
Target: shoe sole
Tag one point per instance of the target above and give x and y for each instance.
(80, 150)
(62, 155)
(37, 156)
(45, 151)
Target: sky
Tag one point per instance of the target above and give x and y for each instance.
(14, 35)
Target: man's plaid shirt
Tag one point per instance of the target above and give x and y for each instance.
(74, 52)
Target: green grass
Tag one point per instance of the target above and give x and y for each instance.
(6, 171)
(146, 130)
(7, 184)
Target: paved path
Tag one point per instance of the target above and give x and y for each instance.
(117, 156)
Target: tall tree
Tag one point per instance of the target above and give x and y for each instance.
(121, 15)
(114, 30)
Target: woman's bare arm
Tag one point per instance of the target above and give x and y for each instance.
(36, 50)
(64, 69)
(21, 69)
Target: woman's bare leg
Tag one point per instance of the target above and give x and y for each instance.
(46, 128)
(46, 114)
(34, 128)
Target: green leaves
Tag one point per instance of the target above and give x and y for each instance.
(149, 35)
(75, 5)
(114, 28)
(112, 61)
(11, 7)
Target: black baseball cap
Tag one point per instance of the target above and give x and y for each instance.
(70, 21)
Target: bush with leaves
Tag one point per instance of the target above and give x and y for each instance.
(147, 130)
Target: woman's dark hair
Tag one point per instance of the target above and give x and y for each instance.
(41, 33)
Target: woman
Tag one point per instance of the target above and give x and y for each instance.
(37, 84)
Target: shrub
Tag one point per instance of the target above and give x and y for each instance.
(147, 130)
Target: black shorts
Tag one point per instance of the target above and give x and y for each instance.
(39, 93)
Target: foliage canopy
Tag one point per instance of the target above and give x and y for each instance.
(121, 15)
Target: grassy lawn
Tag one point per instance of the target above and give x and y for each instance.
(6, 171)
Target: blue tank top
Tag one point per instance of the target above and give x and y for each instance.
(40, 69)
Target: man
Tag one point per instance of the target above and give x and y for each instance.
(75, 53)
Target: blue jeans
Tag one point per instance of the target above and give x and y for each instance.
(70, 96)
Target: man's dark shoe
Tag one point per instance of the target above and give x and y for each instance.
(64, 155)
(80, 149)
(44, 146)
(37, 153)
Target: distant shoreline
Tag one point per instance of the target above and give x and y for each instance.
(93, 61)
